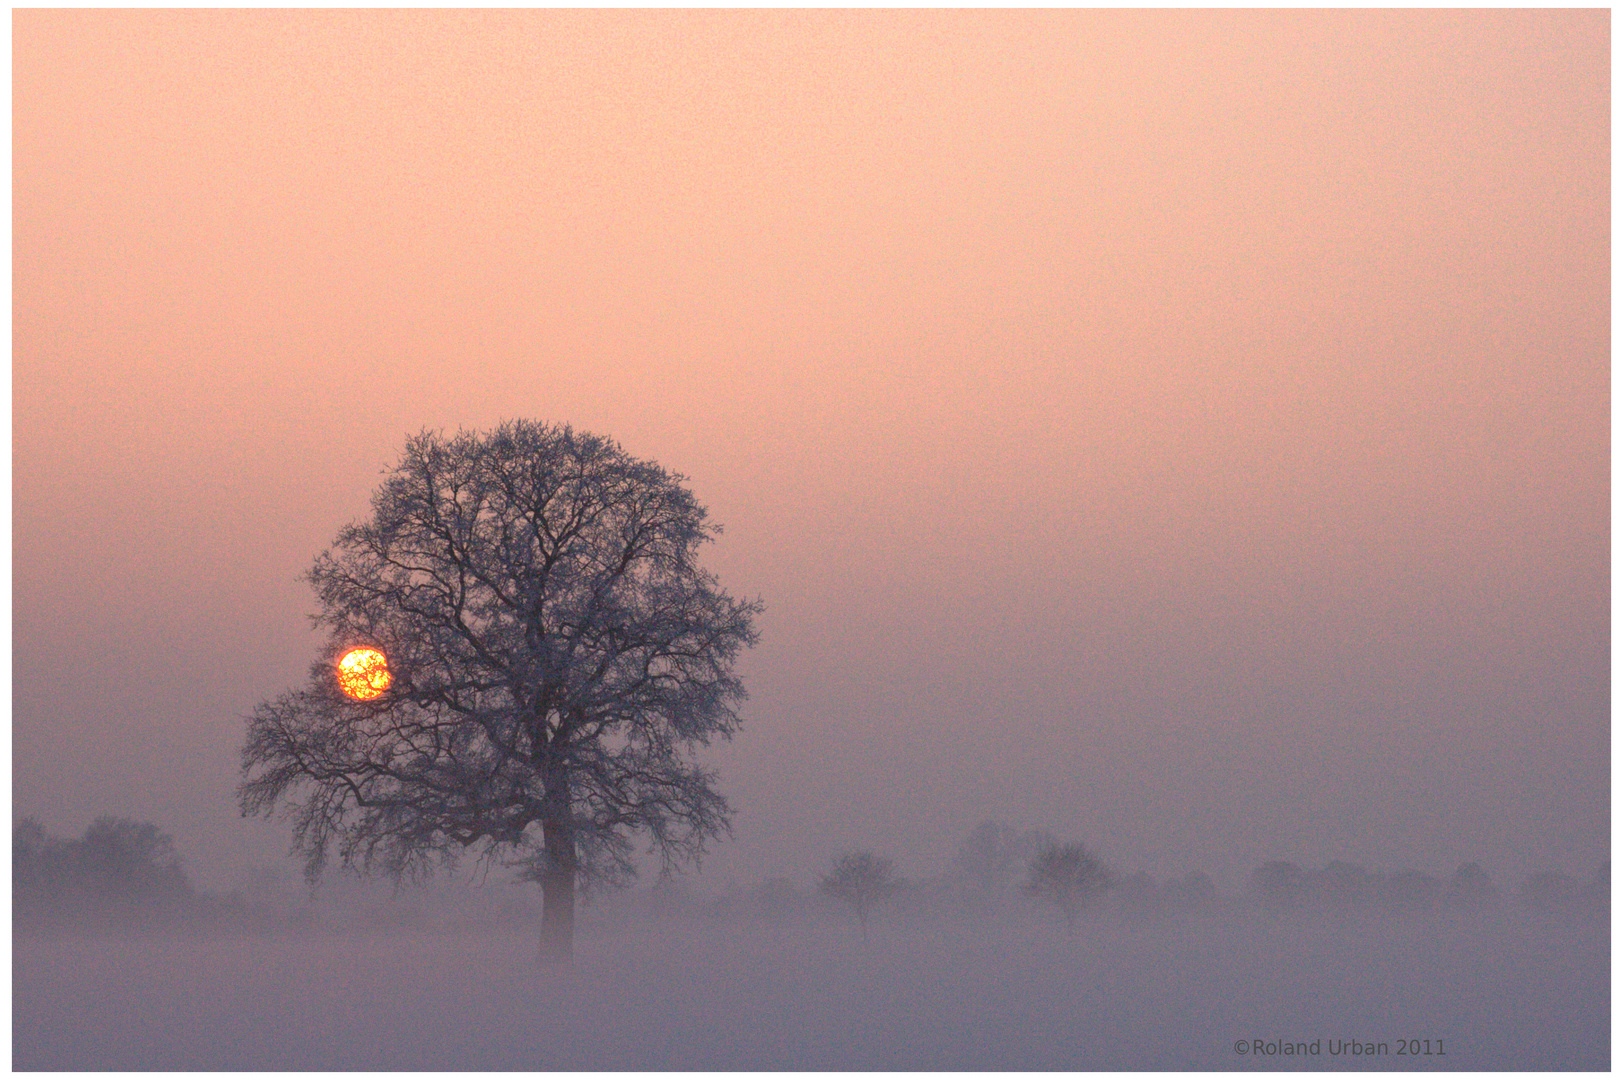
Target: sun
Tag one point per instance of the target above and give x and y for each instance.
(363, 673)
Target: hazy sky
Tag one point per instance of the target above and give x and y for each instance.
(1186, 432)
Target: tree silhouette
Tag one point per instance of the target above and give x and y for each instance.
(1068, 876)
(119, 856)
(861, 879)
(118, 867)
(556, 654)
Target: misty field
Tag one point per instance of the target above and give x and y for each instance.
(1507, 990)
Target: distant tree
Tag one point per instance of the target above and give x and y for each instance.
(1470, 889)
(120, 857)
(861, 879)
(34, 857)
(1279, 884)
(555, 653)
(118, 865)
(1068, 876)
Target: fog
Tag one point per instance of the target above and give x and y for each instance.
(1182, 432)
(1336, 967)
(775, 977)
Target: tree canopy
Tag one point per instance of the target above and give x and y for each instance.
(117, 866)
(1068, 876)
(861, 879)
(555, 654)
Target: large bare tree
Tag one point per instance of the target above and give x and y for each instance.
(555, 655)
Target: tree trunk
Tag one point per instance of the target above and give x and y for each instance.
(558, 895)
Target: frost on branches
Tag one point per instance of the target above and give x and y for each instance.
(556, 652)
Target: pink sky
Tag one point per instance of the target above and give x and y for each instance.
(1186, 432)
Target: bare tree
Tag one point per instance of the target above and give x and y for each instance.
(1068, 876)
(118, 868)
(861, 879)
(555, 653)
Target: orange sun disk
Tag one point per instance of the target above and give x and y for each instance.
(363, 673)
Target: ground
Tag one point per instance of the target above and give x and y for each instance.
(1510, 990)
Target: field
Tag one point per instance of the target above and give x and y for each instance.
(1506, 990)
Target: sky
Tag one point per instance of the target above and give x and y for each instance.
(1185, 432)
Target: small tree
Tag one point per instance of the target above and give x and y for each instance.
(554, 655)
(1068, 876)
(861, 879)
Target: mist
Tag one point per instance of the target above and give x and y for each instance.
(1183, 434)
(1333, 967)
